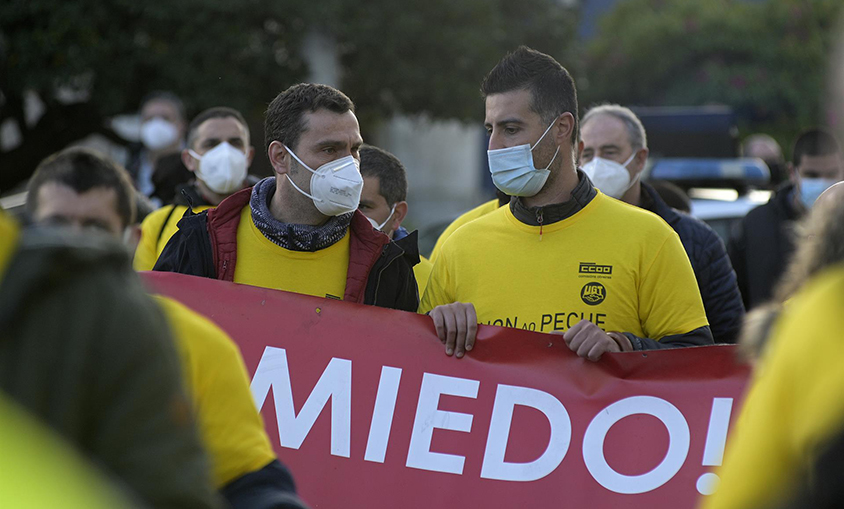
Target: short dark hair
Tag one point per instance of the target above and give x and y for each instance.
(215, 112)
(284, 119)
(814, 142)
(83, 169)
(167, 96)
(391, 175)
(551, 86)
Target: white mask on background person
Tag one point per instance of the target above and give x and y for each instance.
(380, 226)
(223, 168)
(811, 188)
(513, 171)
(335, 186)
(611, 178)
(157, 133)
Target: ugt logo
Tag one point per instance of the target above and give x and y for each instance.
(593, 293)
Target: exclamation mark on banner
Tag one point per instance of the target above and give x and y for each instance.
(716, 439)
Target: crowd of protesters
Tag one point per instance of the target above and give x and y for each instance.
(157, 396)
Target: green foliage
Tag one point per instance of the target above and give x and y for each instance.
(429, 56)
(765, 59)
(208, 51)
(415, 56)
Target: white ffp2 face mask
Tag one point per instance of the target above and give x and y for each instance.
(223, 168)
(158, 133)
(380, 226)
(335, 186)
(611, 178)
(513, 171)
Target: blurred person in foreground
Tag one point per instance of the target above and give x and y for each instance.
(218, 153)
(793, 410)
(81, 188)
(300, 231)
(155, 164)
(83, 349)
(384, 202)
(32, 453)
(764, 241)
(614, 152)
(607, 276)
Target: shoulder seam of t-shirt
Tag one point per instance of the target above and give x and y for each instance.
(655, 257)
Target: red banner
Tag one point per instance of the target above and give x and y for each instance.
(366, 409)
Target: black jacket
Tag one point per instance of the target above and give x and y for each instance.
(713, 271)
(380, 271)
(762, 245)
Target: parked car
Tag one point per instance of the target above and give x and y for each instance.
(722, 191)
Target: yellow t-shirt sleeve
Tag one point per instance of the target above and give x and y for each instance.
(439, 289)
(669, 298)
(146, 253)
(229, 424)
(422, 271)
(792, 409)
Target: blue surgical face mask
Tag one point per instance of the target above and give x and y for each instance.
(811, 188)
(513, 171)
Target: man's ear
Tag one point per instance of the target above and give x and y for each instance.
(189, 161)
(399, 215)
(565, 126)
(641, 159)
(279, 158)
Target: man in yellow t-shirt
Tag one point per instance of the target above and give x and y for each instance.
(479, 211)
(300, 230)
(793, 409)
(81, 188)
(562, 257)
(219, 173)
(384, 201)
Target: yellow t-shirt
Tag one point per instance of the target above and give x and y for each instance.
(479, 211)
(421, 271)
(794, 405)
(620, 267)
(41, 470)
(216, 379)
(156, 230)
(260, 262)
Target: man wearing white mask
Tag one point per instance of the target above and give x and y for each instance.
(219, 154)
(562, 257)
(763, 243)
(613, 152)
(155, 165)
(384, 202)
(300, 231)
